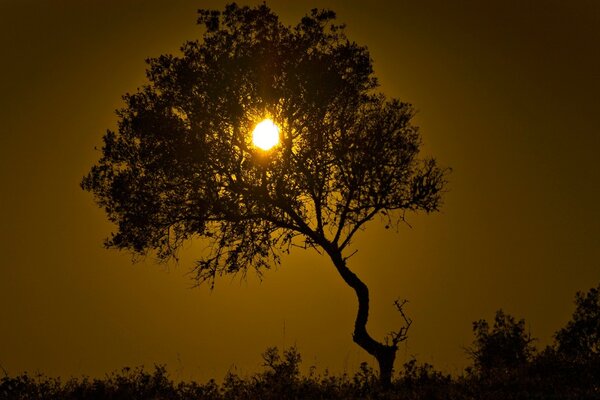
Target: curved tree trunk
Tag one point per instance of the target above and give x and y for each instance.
(385, 354)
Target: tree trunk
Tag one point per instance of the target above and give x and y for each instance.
(383, 353)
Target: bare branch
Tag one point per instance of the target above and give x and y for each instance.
(396, 337)
(343, 216)
(357, 226)
(348, 257)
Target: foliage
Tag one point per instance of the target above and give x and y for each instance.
(574, 359)
(424, 381)
(506, 365)
(128, 384)
(504, 347)
(280, 380)
(181, 163)
(580, 338)
(544, 376)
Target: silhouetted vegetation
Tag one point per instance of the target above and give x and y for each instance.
(505, 366)
(506, 347)
(182, 165)
(280, 380)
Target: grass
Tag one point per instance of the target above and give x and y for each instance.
(281, 379)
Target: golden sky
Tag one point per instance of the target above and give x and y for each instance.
(507, 94)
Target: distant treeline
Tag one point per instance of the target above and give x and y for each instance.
(505, 365)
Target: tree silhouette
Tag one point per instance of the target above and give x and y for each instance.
(579, 340)
(182, 165)
(504, 347)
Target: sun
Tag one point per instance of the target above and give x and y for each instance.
(265, 135)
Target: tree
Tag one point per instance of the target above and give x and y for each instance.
(503, 348)
(182, 165)
(579, 340)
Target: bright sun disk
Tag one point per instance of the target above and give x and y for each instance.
(265, 135)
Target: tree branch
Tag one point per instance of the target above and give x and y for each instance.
(357, 226)
(401, 334)
(344, 216)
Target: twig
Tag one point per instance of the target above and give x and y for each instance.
(402, 334)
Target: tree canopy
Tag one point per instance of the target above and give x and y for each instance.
(181, 163)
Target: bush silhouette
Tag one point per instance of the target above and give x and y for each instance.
(504, 347)
(579, 340)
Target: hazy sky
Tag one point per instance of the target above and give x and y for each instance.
(508, 96)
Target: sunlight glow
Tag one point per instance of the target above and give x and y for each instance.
(265, 135)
